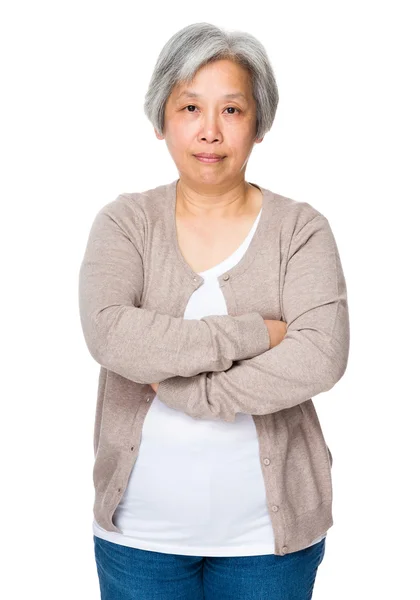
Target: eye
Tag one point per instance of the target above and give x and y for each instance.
(193, 106)
(234, 108)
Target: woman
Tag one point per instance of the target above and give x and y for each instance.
(229, 302)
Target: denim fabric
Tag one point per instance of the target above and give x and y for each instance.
(127, 573)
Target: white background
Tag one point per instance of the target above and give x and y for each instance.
(74, 136)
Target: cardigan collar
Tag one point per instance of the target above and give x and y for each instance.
(255, 246)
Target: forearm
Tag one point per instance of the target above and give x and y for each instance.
(144, 345)
(311, 358)
(301, 367)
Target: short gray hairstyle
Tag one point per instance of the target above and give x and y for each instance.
(199, 44)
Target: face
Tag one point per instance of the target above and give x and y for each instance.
(200, 118)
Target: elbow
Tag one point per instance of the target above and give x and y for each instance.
(336, 363)
(96, 347)
(338, 350)
(119, 363)
(97, 326)
(91, 337)
(115, 352)
(334, 371)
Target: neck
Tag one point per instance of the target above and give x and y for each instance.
(221, 203)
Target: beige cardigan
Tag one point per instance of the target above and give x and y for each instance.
(134, 285)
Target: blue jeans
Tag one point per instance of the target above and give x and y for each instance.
(132, 574)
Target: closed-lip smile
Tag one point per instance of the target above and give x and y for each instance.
(208, 155)
(209, 158)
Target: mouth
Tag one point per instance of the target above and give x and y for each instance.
(210, 158)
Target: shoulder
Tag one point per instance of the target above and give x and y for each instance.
(295, 214)
(137, 204)
(139, 210)
(296, 222)
(132, 215)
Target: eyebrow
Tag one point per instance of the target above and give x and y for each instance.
(191, 94)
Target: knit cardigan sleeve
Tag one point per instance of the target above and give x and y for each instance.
(312, 356)
(144, 345)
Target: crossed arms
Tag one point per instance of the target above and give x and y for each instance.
(311, 358)
(220, 365)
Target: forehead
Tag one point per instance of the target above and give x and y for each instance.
(190, 93)
(226, 78)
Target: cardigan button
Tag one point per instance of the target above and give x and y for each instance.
(267, 461)
(225, 277)
(274, 508)
(284, 549)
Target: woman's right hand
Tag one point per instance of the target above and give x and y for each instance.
(277, 331)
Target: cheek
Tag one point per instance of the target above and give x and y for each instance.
(182, 134)
(177, 140)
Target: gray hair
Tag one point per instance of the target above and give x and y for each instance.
(199, 44)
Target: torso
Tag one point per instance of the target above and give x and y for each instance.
(205, 244)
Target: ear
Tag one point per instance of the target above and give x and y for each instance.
(158, 135)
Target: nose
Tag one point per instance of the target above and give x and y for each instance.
(210, 130)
